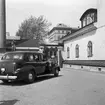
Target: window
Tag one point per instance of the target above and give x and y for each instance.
(12, 56)
(84, 22)
(58, 31)
(38, 57)
(41, 57)
(89, 49)
(69, 32)
(68, 52)
(59, 37)
(77, 51)
(55, 37)
(63, 32)
(89, 18)
(93, 17)
(31, 57)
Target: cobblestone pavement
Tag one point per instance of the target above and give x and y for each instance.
(72, 87)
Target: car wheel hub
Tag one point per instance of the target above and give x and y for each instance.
(30, 76)
(57, 71)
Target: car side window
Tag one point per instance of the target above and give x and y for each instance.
(26, 58)
(30, 57)
(42, 59)
(36, 57)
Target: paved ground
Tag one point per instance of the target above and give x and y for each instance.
(72, 87)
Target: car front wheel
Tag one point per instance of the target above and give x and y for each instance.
(30, 77)
(56, 73)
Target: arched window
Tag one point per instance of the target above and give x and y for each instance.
(68, 52)
(77, 51)
(89, 19)
(89, 49)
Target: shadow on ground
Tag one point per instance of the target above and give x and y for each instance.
(8, 102)
(21, 83)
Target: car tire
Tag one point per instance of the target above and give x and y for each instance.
(30, 77)
(56, 72)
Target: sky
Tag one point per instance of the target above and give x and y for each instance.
(55, 11)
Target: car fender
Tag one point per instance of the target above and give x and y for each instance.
(55, 67)
(23, 71)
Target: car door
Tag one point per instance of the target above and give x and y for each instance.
(39, 63)
(30, 60)
(42, 62)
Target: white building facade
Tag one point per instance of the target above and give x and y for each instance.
(88, 43)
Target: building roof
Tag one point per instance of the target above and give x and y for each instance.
(29, 43)
(16, 42)
(13, 52)
(61, 27)
(79, 32)
(87, 12)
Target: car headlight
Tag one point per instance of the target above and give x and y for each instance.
(2, 69)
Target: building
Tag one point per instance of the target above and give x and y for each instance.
(75, 44)
(56, 33)
(11, 41)
(29, 44)
(9, 37)
(86, 46)
(15, 43)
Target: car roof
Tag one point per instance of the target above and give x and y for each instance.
(37, 52)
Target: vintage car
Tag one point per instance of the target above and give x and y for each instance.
(25, 65)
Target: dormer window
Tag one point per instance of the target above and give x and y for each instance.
(89, 19)
(90, 16)
(84, 22)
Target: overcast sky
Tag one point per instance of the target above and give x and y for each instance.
(55, 11)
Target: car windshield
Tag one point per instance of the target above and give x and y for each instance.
(12, 56)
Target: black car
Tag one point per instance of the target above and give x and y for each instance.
(25, 65)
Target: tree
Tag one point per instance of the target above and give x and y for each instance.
(33, 28)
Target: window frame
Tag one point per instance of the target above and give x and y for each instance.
(90, 49)
(68, 52)
(77, 51)
(89, 18)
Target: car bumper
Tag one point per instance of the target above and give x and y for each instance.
(8, 77)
